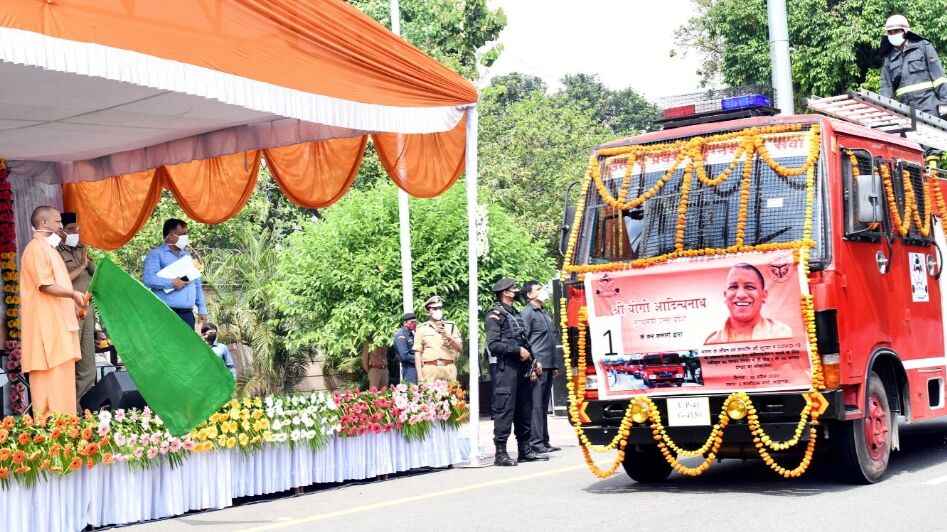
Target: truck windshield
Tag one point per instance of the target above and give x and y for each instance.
(775, 209)
(661, 360)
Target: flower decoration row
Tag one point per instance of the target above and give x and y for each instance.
(11, 288)
(750, 142)
(34, 448)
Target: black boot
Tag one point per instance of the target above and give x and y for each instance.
(502, 458)
(528, 455)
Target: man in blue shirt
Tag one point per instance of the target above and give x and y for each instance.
(185, 293)
(209, 332)
(404, 344)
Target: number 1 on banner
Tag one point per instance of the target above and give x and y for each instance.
(606, 336)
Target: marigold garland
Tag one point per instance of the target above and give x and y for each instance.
(750, 143)
(11, 288)
(902, 221)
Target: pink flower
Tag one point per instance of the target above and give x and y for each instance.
(188, 445)
(152, 452)
(103, 430)
(119, 415)
(138, 452)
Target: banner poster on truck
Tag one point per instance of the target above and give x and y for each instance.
(707, 325)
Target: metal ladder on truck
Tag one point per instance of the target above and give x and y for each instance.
(874, 111)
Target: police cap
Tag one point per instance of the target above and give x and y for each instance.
(433, 301)
(503, 284)
(408, 317)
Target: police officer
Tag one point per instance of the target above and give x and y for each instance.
(437, 344)
(404, 345)
(512, 392)
(912, 72)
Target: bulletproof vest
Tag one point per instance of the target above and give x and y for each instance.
(516, 321)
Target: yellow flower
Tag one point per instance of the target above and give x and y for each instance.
(244, 440)
(231, 441)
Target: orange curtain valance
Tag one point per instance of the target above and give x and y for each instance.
(423, 165)
(311, 174)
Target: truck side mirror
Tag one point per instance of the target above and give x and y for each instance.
(868, 204)
(568, 218)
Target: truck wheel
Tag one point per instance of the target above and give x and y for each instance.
(646, 465)
(865, 445)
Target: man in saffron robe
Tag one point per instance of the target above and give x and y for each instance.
(745, 295)
(49, 308)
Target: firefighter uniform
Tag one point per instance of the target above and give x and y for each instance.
(433, 346)
(913, 75)
(512, 392)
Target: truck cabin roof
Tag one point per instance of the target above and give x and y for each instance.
(827, 124)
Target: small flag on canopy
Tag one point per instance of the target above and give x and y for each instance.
(179, 376)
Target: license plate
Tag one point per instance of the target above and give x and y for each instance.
(688, 411)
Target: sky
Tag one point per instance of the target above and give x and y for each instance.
(625, 42)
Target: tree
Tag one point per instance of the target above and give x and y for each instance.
(340, 279)
(508, 89)
(455, 32)
(241, 280)
(835, 45)
(624, 112)
(532, 149)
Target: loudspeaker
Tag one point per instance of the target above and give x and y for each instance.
(115, 390)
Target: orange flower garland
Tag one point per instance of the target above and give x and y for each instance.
(576, 383)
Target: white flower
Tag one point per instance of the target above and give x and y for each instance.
(277, 424)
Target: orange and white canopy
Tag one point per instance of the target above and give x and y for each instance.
(119, 99)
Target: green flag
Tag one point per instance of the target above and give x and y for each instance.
(175, 370)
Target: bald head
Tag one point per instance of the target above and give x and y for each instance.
(46, 217)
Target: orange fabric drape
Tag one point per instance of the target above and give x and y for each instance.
(316, 174)
(323, 47)
(113, 210)
(423, 165)
(214, 190)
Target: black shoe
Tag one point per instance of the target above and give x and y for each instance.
(503, 459)
(545, 449)
(528, 455)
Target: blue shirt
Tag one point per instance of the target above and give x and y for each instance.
(224, 353)
(404, 344)
(184, 299)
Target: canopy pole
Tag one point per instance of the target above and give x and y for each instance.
(473, 310)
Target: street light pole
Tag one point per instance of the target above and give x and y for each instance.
(404, 218)
(779, 54)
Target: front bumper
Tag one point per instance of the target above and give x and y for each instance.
(778, 414)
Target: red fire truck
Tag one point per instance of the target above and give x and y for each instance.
(800, 258)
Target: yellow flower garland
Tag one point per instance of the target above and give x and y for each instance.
(902, 221)
(693, 148)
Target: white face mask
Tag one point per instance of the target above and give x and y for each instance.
(436, 315)
(182, 241)
(543, 295)
(53, 239)
(896, 40)
(72, 240)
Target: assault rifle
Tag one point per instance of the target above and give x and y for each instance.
(531, 373)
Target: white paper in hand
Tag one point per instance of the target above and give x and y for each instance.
(183, 267)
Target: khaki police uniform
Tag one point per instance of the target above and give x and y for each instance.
(435, 352)
(85, 367)
(375, 363)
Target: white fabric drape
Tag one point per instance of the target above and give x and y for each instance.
(118, 494)
(90, 59)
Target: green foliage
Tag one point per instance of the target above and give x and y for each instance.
(455, 32)
(533, 147)
(834, 45)
(624, 112)
(341, 278)
(241, 280)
